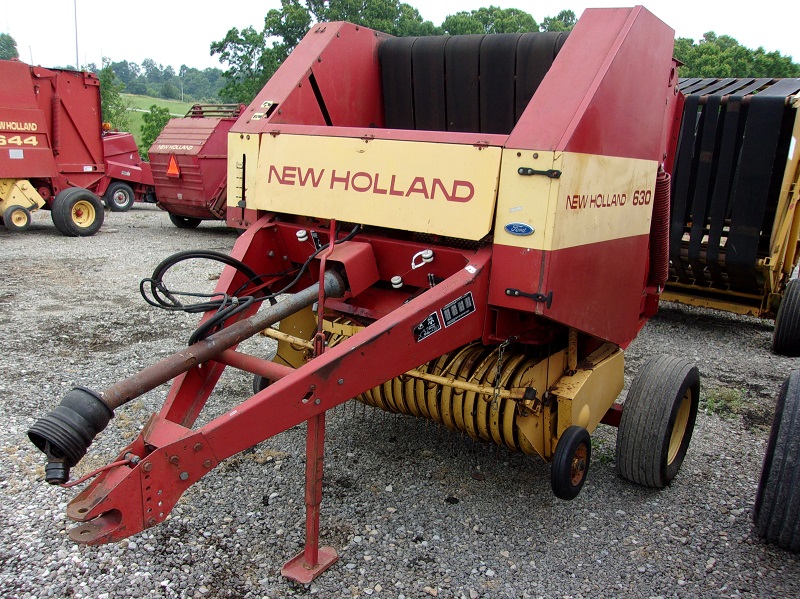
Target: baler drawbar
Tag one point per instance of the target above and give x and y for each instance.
(469, 229)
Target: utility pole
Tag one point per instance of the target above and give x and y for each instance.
(77, 60)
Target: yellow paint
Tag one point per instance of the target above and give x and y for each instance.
(596, 198)
(537, 431)
(19, 192)
(585, 397)
(445, 189)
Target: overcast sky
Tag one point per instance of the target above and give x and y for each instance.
(176, 32)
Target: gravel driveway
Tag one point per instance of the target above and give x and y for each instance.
(413, 510)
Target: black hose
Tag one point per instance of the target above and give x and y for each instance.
(226, 305)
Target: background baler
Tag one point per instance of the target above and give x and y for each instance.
(189, 163)
(471, 228)
(54, 154)
(735, 218)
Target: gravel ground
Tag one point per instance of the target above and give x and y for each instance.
(414, 511)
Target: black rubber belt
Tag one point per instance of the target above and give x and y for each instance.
(427, 60)
(682, 183)
(498, 64)
(397, 82)
(462, 65)
(751, 190)
(727, 158)
(699, 201)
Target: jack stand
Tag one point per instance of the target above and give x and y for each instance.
(314, 560)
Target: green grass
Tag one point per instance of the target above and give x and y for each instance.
(724, 402)
(141, 104)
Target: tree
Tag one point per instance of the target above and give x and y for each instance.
(154, 122)
(563, 21)
(252, 60)
(722, 56)
(489, 20)
(114, 108)
(8, 47)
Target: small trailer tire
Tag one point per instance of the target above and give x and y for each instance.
(119, 197)
(184, 222)
(776, 513)
(77, 212)
(571, 463)
(786, 335)
(657, 421)
(16, 218)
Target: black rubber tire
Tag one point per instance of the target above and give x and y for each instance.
(119, 197)
(571, 463)
(77, 212)
(776, 513)
(260, 383)
(16, 218)
(184, 222)
(657, 421)
(786, 335)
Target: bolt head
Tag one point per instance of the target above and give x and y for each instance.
(147, 466)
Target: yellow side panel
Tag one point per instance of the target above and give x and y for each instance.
(595, 199)
(445, 189)
(242, 158)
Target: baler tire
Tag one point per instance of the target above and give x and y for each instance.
(119, 197)
(77, 212)
(16, 218)
(260, 383)
(786, 334)
(776, 513)
(657, 421)
(571, 463)
(184, 222)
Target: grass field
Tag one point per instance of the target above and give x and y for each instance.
(141, 104)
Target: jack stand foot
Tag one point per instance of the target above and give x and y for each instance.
(299, 570)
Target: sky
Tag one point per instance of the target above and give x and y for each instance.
(176, 32)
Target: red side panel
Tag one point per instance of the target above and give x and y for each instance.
(595, 289)
(26, 151)
(605, 92)
(331, 78)
(122, 160)
(70, 101)
(199, 146)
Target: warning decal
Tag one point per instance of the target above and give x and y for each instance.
(427, 327)
(458, 309)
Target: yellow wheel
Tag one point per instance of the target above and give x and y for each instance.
(657, 421)
(16, 218)
(77, 212)
(83, 214)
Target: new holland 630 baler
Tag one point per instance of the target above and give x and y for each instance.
(470, 229)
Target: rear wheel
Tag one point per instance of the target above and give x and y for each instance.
(184, 222)
(777, 509)
(657, 421)
(16, 218)
(119, 197)
(786, 335)
(77, 212)
(571, 462)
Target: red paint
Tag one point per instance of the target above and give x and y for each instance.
(605, 92)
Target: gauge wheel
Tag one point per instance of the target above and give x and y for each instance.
(571, 462)
(776, 513)
(77, 212)
(119, 197)
(16, 218)
(184, 222)
(657, 421)
(786, 335)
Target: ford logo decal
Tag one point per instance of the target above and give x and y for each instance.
(520, 229)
